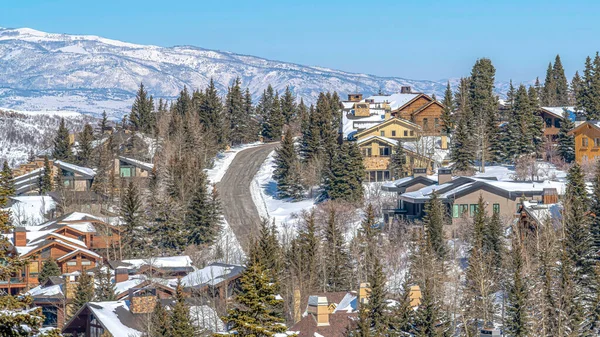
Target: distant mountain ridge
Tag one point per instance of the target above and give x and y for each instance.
(89, 74)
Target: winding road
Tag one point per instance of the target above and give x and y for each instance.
(234, 190)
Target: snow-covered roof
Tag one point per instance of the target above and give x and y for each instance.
(115, 317)
(160, 262)
(212, 274)
(206, 318)
(421, 146)
(559, 111)
(45, 291)
(348, 304)
(133, 281)
(85, 171)
(542, 212)
(395, 101)
(143, 165)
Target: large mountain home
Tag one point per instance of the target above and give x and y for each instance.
(587, 141)
(77, 241)
(131, 168)
(461, 195)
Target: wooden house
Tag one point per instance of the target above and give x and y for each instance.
(587, 141)
(128, 168)
(74, 177)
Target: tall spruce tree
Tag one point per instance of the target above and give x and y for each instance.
(273, 126)
(62, 143)
(287, 169)
(433, 223)
(131, 211)
(549, 92)
(338, 267)
(239, 119)
(85, 148)
(84, 292)
(595, 210)
(343, 180)
(288, 106)
(7, 185)
(462, 150)
(141, 117)
(566, 142)
(181, 323)
(560, 82)
(210, 113)
(576, 87)
(517, 316)
(447, 114)
(537, 123)
(398, 168)
(49, 268)
(105, 289)
(203, 215)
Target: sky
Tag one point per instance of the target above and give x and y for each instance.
(412, 39)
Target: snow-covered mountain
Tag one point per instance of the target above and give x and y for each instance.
(90, 74)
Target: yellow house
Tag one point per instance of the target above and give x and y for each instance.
(587, 141)
(378, 143)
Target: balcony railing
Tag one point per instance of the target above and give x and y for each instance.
(13, 280)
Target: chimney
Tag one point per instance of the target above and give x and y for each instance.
(419, 172)
(19, 237)
(318, 307)
(143, 301)
(444, 141)
(363, 293)
(415, 296)
(405, 89)
(549, 196)
(121, 275)
(444, 175)
(355, 97)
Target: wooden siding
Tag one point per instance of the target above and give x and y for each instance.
(589, 152)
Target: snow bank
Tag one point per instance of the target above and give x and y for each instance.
(264, 195)
(30, 210)
(223, 161)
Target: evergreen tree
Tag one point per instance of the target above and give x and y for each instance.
(403, 315)
(447, 114)
(287, 172)
(181, 325)
(161, 325)
(62, 143)
(167, 230)
(336, 256)
(517, 320)
(428, 315)
(367, 238)
(203, 215)
(492, 239)
(84, 292)
(257, 311)
(549, 97)
(595, 210)
(377, 306)
(274, 122)
(288, 106)
(210, 113)
(343, 180)
(561, 83)
(576, 87)
(85, 148)
(433, 222)
(105, 289)
(537, 123)
(462, 152)
(49, 268)
(566, 142)
(238, 117)
(7, 185)
(267, 250)
(132, 214)
(103, 124)
(141, 117)
(398, 167)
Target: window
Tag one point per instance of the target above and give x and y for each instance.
(367, 152)
(463, 209)
(69, 183)
(455, 213)
(379, 175)
(34, 268)
(473, 209)
(71, 263)
(386, 175)
(584, 142)
(425, 122)
(412, 133)
(393, 133)
(126, 172)
(548, 122)
(496, 208)
(384, 151)
(405, 133)
(584, 159)
(382, 133)
(86, 262)
(436, 123)
(596, 142)
(557, 123)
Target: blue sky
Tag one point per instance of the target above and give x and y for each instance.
(412, 39)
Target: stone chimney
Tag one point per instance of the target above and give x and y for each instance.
(20, 237)
(363, 293)
(444, 142)
(355, 97)
(318, 307)
(121, 275)
(444, 175)
(143, 301)
(419, 172)
(405, 89)
(549, 196)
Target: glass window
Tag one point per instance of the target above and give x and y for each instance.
(379, 175)
(382, 133)
(126, 172)
(496, 208)
(557, 123)
(71, 263)
(455, 213)
(412, 133)
(367, 152)
(596, 142)
(548, 122)
(386, 175)
(405, 133)
(584, 141)
(425, 122)
(384, 151)
(473, 209)
(393, 133)
(372, 176)
(436, 122)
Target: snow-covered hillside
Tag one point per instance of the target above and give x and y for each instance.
(31, 132)
(90, 74)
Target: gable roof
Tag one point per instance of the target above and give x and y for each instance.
(84, 171)
(404, 122)
(138, 163)
(593, 124)
(395, 186)
(113, 316)
(211, 275)
(419, 110)
(406, 145)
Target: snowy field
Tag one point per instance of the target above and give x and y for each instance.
(264, 193)
(30, 210)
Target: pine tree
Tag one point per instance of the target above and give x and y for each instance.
(274, 122)
(238, 117)
(45, 182)
(181, 325)
(49, 268)
(368, 239)
(462, 152)
(343, 180)
(257, 311)
(132, 214)
(267, 251)
(85, 148)
(428, 315)
(561, 83)
(336, 256)
(377, 306)
(398, 167)
(595, 211)
(576, 87)
(62, 143)
(517, 320)
(167, 228)
(549, 97)
(102, 125)
(287, 173)
(566, 142)
(447, 114)
(105, 289)
(7, 185)
(84, 292)
(402, 316)
(288, 106)
(210, 113)
(161, 325)
(537, 122)
(203, 215)
(141, 117)
(492, 239)
(433, 223)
